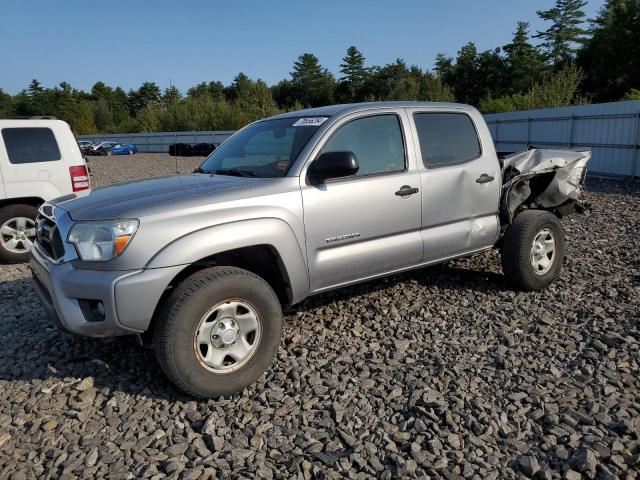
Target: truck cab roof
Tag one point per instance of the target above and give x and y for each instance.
(346, 108)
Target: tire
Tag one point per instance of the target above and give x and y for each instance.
(186, 318)
(109, 153)
(533, 236)
(18, 218)
(131, 152)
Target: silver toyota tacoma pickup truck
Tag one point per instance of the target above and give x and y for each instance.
(291, 206)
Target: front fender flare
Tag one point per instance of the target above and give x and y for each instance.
(209, 241)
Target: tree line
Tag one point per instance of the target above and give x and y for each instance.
(573, 61)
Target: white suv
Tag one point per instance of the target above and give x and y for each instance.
(39, 160)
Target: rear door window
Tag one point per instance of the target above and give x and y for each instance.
(30, 145)
(446, 138)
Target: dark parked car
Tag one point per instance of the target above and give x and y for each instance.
(189, 150)
(96, 148)
(180, 149)
(202, 149)
(84, 145)
(105, 147)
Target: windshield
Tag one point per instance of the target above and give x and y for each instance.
(265, 149)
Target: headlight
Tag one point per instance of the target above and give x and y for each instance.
(102, 240)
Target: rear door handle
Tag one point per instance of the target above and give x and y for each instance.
(406, 190)
(484, 178)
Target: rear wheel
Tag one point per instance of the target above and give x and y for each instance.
(109, 153)
(218, 332)
(17, 232)
(533, 249)
(131, 152)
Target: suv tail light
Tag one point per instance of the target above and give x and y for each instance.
(79, 177)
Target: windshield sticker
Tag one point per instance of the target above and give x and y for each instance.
(310, 121)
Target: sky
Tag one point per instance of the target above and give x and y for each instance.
(125, 43)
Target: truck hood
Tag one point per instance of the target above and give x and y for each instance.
(117, 200)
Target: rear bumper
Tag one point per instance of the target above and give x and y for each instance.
(129, 297)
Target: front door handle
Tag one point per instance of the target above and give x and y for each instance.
(484, 178)
(406, 190)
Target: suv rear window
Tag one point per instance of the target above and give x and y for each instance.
(30, 145)
(446, 138)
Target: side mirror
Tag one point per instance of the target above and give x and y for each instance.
(334, 165)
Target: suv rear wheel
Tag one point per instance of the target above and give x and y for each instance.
(218, 332)
(533, 249)
(17, 232)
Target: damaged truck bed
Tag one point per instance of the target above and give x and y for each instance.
(543, 179)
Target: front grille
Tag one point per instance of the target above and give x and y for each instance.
(49, 238)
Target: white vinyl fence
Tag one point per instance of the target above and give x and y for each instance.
(610, 130)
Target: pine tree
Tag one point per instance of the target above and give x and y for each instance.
(65, 99)
(611, 57)
(6, 104)
(444, 66)
(39, 100)
(171, 95)
(525, 63)
(393, 81)
(464, 76)
(240, 83)
(313, 85)
(355, 73)
(565, 32)
(100, 90)
(284, 94)
(147, 94)
(214, 90)
(35, 87)
(253, 98)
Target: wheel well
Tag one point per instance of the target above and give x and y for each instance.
(263, 260)
(33, 201)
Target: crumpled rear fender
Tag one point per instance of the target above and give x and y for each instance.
(540, 178)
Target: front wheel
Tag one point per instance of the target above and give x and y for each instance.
(533, 249)
(218, 332)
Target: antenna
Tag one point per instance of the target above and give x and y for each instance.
(175, 135)
(175, 150)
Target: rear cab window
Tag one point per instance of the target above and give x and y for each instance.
(30, 145)
(446, 138)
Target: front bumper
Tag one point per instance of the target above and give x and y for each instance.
(129, 297)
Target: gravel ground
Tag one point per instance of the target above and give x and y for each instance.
(107, 170)
(443, 372)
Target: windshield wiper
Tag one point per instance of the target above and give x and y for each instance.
(199, 170)
(235, 172)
